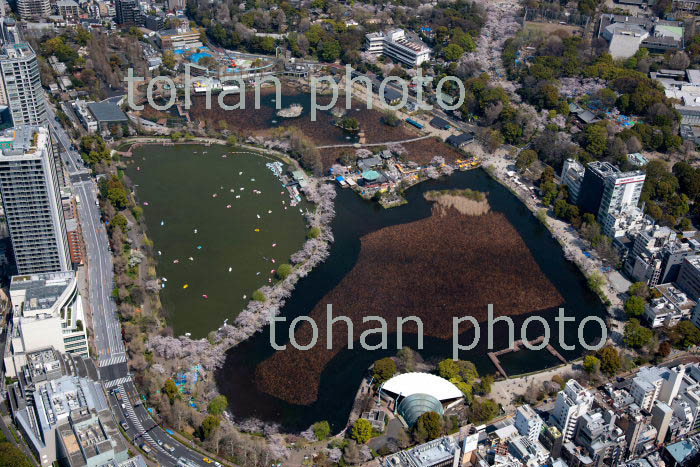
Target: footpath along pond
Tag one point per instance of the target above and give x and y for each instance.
(221, 223)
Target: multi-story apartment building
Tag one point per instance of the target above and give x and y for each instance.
(646, 386)
(572, 402)
(572, 175)
(128, 13)
(30, 195)
(176, 5)
(661, 415)
(396, 45)
(657, 254)
(33, 9)
(21, 85)
(668, 309)
(597, 433)
(68, 9)
(528, 423)
(621, 190)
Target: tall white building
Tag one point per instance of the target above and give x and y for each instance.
(47, 312)
(21, 85)
(646, 387)
(528, 423)
(572, 402)
(32, 202)
(621, 192)
(396, 45)
(572, 175)
(672, 384)
(33, 9)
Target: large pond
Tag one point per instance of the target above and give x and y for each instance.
(341, 377)
(220, 221)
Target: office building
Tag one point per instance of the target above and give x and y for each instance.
(182, 37)
(47, 312)
(65, 419)
(128, 13)
(528, 423)
(689, 276)
(30, 10)
(626, 34)
(572, 402)
(396, 45)
(21, 85)
(607, 192)
(593, 185)
(445, 451)
(30, 194)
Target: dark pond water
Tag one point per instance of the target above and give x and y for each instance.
(342, 376)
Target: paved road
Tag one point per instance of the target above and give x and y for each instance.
(111, 353)
(140, 427)
(70, 157)
(366, 145)
(108, 338)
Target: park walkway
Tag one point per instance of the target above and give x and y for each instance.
(366, 145)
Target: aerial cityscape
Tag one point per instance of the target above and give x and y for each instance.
(350, 233)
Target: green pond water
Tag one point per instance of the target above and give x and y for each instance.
(213, 250)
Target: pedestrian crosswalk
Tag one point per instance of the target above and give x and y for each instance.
(136, 423)
(117, 382)
(119, 358)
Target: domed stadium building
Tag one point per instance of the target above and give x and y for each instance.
(413, 394)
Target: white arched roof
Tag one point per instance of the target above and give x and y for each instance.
(422, 383)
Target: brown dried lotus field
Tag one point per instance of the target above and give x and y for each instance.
(446, 265)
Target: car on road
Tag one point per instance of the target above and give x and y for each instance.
(125, 426)
(160, 443)
(208, 461)
(168, 448)
(145, 448)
